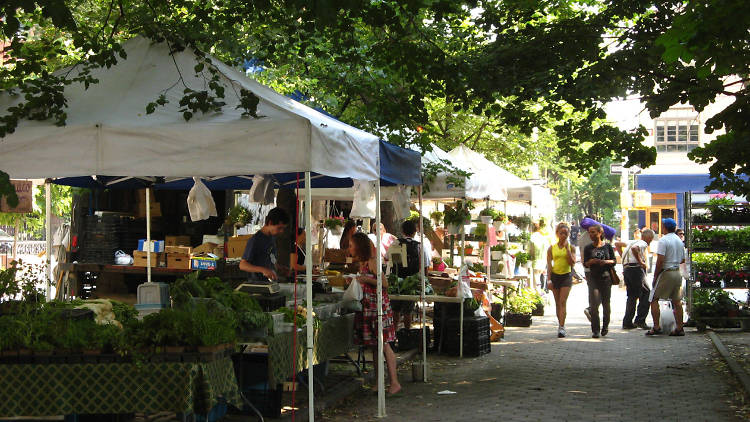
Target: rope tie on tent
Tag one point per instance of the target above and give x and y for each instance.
(294, 313)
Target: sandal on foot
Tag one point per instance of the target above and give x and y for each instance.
(677, 333)
(654, 332)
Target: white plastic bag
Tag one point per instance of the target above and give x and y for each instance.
(401, 201)
(352, 296)
(262, 191)
(200, 202)
(121, 258)
(364, 199)
(666, 316)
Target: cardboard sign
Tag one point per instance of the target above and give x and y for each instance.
(25, 192)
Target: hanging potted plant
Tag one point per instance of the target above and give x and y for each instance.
(519, 310)
(487, 215)
(335, 224)
(437, 217)
(458, 216)
(499, 220)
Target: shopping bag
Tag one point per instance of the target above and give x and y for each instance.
(666, 316)
(352, 296)
(200, 202)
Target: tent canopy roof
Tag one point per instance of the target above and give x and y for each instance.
(477, 186)
(108, 131)
(517, 188)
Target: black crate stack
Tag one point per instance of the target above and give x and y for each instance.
(101, 238)
(476, 336)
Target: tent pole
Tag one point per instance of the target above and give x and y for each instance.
(422, 264)
(309, 299)
(48, 234)
(460, 281)
(379, 293)
(149, 249)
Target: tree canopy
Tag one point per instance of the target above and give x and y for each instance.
(392, 66)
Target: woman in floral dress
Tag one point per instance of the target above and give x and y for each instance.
(366, 321)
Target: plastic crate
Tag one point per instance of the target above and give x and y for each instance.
(472, 348)
(270, 303)
(411, 338)
(251, 370)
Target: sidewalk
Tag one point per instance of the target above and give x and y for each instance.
(534, 376)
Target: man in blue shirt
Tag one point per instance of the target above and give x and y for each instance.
(259, 258)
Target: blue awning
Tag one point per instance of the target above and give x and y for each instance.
(398, 166)
(672, 183)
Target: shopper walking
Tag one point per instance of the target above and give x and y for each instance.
(634, 272)
(670, 253)
(560, 261)
(599, 258)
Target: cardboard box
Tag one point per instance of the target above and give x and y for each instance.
(140, 209)
(140, 196)
(202, 263)
(212, 238)
(236, 245)
(208, 247)
(177, 240)
(154, 246)
(184, 250)
(178, 261)
(336, 256)
(140, 258)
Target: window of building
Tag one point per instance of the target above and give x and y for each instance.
(676, 135)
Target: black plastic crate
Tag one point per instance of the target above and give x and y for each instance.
(411, 338)
(270, 303)
(472, 348)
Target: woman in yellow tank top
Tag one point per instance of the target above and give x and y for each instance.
(560, 260)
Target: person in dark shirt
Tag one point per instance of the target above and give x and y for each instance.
(259, 258)
(297, 256)
(599, 257)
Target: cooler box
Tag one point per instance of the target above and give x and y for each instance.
(153, 294)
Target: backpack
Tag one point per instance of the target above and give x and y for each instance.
(412, 258)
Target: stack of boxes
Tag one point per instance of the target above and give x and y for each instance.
(140, 204)
(476, 336)
(178, 252)
(155, 248)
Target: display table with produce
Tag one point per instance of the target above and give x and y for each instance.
(115, 388)
(333, 337)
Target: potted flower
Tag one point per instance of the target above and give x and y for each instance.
(437, 217)
(239, 216)
(335, 224)
(523, 222)
(499, 220)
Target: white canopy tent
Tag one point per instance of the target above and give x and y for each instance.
(517, 188)
(479, 185)
(108, 132)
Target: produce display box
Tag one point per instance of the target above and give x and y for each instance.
(236, 245)
(184, 250)
(177, 240)
(140, 259)
(203, 263)
(154, 246)
(179, 261)
(472, 348)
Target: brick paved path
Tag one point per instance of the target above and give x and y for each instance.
(534, 376)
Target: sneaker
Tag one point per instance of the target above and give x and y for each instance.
(642, 326)
(604, 332)
(595, 335)
(628, 326)
(587, 313)
(561, 332)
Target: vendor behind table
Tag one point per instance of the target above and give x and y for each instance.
(259, 258)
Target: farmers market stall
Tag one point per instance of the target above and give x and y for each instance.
(116, 137)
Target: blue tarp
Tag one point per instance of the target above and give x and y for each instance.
(671, 183)
(397, 166)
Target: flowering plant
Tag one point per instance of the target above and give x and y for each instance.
(333, 222)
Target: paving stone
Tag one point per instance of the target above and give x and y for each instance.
(532, 375)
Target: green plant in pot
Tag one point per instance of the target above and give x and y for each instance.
(458, 216)
(334, 224)
(239, 216)
(437, 217)
(522, 258)
(487, 215)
